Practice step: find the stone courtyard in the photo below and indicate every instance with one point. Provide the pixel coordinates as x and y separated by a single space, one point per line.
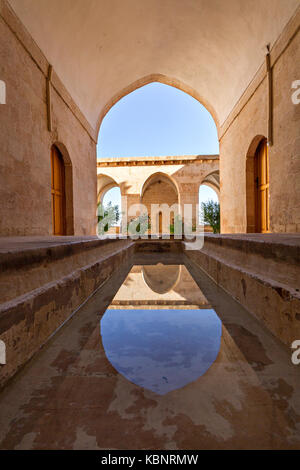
116 342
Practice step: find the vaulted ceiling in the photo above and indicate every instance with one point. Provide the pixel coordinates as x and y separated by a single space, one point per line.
100 47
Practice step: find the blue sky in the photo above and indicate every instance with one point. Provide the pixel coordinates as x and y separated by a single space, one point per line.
157 120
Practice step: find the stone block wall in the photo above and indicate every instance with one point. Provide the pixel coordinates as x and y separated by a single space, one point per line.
248 122
25 142
57 285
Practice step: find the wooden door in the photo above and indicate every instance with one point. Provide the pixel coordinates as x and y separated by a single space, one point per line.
160 222
262 188
58 192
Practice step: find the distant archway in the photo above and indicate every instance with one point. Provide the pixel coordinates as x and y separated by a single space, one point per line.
160 189
213 181
104 184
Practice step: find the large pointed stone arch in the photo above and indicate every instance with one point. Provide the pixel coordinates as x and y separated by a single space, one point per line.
160 78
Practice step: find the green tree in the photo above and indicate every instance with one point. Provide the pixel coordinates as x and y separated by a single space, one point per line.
110 213
210 214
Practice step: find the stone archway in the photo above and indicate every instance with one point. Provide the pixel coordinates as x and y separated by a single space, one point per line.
68 211
104 184
251 210
159 189
160 78
213 181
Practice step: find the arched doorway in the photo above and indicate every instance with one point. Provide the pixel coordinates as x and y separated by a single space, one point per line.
160 190
61 191
257 186
261 178
58 194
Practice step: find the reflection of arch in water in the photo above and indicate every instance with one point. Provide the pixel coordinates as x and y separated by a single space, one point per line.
161 278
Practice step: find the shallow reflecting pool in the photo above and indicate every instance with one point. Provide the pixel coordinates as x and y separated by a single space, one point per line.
166 377
160 346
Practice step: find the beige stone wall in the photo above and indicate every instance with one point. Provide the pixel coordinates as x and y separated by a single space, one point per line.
25 143
241 137
54 289
285 155
105 49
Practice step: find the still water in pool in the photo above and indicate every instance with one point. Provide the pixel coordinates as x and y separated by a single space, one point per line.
161 349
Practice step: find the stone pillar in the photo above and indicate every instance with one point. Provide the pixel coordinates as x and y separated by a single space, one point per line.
128 200
189 194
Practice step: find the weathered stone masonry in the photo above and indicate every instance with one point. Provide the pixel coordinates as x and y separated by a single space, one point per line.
26 142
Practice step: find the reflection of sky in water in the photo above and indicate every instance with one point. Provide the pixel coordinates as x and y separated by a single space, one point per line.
161 350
